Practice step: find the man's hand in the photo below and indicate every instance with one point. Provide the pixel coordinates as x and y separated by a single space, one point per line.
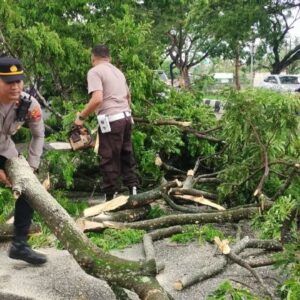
4 178
78 121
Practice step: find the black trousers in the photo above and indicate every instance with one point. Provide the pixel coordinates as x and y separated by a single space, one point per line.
23 212
116 156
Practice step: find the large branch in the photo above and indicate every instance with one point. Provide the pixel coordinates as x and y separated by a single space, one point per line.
265 161
135 276
230 215
184 126
235 258
219 264
124 202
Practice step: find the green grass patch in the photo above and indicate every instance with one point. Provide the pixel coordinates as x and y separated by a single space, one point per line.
7 204
74 209
116 238
46 238
194 232
155 212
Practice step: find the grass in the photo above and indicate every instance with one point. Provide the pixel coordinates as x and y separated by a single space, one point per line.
194 232
7 204
116 239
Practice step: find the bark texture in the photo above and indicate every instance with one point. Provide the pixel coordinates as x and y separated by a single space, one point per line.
230 215
135 276
7 231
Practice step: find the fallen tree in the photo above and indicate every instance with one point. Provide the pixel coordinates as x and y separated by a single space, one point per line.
136 276
120 212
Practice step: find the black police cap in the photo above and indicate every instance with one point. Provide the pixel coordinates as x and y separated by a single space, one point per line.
11 69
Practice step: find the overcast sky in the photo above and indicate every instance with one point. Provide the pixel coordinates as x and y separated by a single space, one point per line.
295 32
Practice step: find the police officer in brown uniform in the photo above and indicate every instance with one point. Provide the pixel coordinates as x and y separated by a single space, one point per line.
16 108
110 100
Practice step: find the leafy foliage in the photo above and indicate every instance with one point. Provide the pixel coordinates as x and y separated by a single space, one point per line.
226 290
257 123
270 223
289 263
53 40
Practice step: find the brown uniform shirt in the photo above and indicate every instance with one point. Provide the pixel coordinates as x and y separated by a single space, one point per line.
9 126
111 81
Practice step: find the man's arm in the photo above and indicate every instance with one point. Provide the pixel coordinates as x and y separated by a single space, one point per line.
37 128
4 179
95 101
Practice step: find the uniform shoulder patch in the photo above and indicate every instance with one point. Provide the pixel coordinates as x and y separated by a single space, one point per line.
36 113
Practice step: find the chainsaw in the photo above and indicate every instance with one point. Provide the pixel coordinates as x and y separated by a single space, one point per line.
80 138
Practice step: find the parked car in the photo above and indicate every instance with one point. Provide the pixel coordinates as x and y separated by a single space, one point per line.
282 83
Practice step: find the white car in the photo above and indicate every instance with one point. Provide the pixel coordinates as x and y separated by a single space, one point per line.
282 83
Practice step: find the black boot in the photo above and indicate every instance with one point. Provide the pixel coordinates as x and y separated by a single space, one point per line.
20 249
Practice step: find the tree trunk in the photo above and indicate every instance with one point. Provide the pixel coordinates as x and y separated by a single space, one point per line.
126 215
186 77
7 231
237 69
135 276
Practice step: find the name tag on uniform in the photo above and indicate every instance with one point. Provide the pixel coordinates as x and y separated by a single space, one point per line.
104 123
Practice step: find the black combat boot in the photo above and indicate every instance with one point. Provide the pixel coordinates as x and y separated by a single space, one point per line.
20 249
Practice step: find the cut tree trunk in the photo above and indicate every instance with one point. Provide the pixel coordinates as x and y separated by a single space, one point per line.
7 231
126 215
156 235
124 202
135 276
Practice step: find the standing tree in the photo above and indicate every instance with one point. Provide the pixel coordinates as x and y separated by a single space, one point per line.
186 45
274 23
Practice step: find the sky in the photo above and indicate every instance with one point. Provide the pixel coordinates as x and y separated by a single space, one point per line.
295 32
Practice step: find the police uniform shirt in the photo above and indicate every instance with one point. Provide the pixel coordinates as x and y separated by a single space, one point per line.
111 81
9 126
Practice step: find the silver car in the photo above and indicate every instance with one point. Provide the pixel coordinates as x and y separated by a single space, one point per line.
282 83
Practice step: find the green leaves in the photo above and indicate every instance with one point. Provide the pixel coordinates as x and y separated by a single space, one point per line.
258 124
226 290
270 223
289 263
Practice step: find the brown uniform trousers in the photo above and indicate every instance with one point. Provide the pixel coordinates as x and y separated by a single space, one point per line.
116 156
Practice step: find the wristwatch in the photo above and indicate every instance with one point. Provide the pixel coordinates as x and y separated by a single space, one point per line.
80 117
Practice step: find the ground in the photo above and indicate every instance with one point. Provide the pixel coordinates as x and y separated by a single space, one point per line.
61 278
